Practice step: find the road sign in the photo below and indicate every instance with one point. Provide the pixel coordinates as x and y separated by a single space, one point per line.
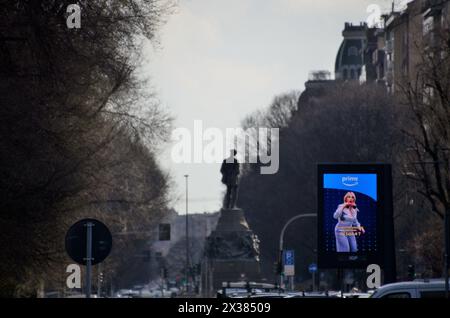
289 263
289 257
312 268
76 241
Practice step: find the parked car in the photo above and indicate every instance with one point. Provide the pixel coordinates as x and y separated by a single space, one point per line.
303 294
125 293
270 295
246 289
155 293
434 288
357 295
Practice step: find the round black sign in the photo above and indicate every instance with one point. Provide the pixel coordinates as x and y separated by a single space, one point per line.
76 241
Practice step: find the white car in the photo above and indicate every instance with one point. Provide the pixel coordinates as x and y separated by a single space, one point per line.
433 288
125 293
155 293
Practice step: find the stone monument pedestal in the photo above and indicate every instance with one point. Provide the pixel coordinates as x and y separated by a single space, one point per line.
231 252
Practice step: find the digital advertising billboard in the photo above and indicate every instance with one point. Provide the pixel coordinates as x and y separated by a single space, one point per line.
355 215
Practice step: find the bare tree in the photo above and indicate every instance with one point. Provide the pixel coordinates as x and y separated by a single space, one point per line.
348 123
426 99
78 131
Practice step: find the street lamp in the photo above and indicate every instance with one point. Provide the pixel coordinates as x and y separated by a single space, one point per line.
282 237
187 236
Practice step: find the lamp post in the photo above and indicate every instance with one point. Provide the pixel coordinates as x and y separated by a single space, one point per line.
187 236
282 237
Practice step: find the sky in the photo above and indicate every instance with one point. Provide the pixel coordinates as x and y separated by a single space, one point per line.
220 60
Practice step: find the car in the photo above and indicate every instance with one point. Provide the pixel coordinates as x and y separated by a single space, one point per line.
125 293
433 288
244 289
270 295
80 295
357 295
303 294
156 293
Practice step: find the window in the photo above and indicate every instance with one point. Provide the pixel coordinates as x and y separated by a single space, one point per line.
398 295
432 294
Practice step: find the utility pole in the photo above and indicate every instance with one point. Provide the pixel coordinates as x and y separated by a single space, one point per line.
187 236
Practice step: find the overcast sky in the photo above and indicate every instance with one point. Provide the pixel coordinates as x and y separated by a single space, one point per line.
220 60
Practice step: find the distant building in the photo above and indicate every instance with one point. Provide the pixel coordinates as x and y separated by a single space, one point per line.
353 62
171 254
350 56
405 35
389 54
318 82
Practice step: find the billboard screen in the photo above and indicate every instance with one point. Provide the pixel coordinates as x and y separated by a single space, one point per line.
352 211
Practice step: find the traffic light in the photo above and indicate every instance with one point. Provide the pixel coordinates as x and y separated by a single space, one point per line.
100 277
411 272
165 275
277 268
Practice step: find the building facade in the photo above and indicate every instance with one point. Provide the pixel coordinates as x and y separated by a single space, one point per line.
404 38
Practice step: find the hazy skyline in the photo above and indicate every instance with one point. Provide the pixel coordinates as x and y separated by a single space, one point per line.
219 61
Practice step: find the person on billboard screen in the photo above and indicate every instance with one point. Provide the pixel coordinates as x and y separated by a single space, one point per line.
348 226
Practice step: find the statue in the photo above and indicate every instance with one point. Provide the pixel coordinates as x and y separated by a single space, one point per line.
232 249
230 176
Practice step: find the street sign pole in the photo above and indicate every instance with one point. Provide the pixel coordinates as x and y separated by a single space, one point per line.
280 247
88 258
88 242
312 268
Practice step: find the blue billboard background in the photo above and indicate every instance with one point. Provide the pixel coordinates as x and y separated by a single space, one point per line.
335 186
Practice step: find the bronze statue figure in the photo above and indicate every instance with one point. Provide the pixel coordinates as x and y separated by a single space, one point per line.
230 177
